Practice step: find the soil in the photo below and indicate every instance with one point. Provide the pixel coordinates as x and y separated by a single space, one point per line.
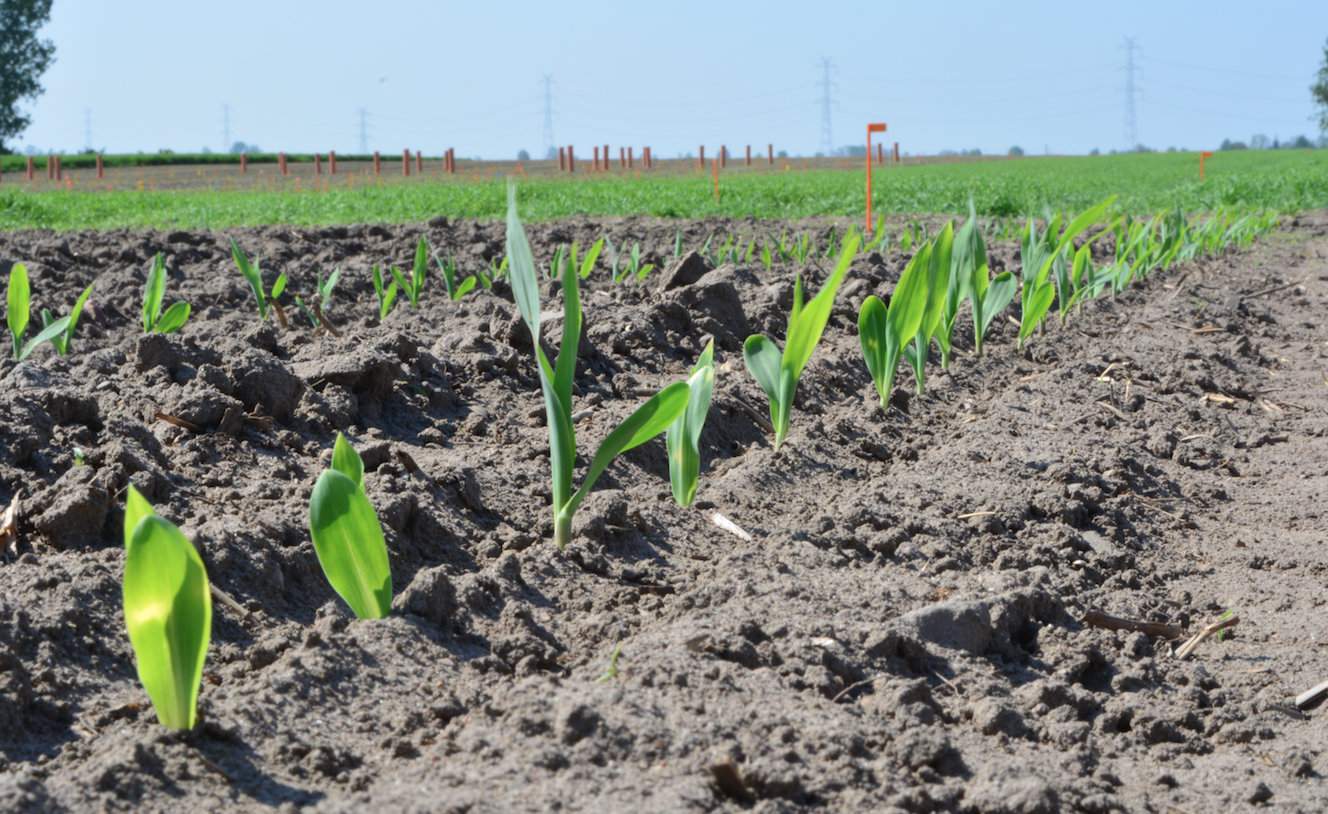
901 628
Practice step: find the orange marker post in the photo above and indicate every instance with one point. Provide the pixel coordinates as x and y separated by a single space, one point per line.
1206 154
700 162
749 155
318 164
405 163
880 153
419 163
770 154
378 163
281 159
332 161
244 163
562 159
878 127
571 158
723 157
630 162
896 152
31 171
596 160
101 167
606 158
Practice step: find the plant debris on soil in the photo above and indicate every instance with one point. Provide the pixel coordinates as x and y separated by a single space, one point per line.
887 614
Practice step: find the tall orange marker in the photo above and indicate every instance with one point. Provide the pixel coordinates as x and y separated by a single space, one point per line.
878 127
1204 155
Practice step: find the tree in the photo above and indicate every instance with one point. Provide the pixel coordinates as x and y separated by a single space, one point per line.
23 59
522 155
1319 90
1016 151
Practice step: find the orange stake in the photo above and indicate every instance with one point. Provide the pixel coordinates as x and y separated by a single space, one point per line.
419 162
30 169
749 155
244 163
101 167
571 158
332 162
562 159
878 127
378 163
770 154
1202 156
700 162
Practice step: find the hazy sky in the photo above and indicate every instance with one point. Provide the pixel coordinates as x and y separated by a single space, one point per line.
155 74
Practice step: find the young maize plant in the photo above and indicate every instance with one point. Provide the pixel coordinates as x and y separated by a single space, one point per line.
18 311
878 240
449 272
414 285
883 331
323 288
347 536
635 269
684 435
1039 253
939 283
587 264
254 276
167 611
677 243
767 259
387 297
987 296
778 373
64 339
648 421
154 321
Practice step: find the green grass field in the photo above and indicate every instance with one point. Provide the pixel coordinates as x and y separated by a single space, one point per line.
1284 180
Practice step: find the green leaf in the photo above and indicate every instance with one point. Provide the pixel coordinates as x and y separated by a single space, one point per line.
762 357
465 288
168 613
562 435
251 275
873 332
350 545
174 318
649 420
684 434
592 256
1035 309
45 335
153 293
908 302
137 507
999 296
403 285
74 315
278 287
808 322
525 287
565 369
420 270
347 461
18 305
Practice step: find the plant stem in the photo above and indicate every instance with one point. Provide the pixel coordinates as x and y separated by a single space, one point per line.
562 530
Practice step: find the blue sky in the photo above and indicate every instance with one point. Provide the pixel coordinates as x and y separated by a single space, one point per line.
1045 75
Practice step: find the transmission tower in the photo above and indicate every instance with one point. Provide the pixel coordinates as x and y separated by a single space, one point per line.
1131 94
827 102
548 114
225 128
364 131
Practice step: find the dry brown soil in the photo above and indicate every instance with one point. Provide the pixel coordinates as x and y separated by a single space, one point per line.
902 631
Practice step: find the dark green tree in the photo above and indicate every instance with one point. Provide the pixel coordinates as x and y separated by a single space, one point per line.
23 59
1320 91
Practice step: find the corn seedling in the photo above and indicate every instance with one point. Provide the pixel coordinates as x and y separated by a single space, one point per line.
635 269
448 270
63 340
167 611
324 289
988 295
348 537
649 420
588 262
18 312
154 321
884 331
1038 253
387 296
767 258
878 237
253 274
778 373
413 286
938 285
684 435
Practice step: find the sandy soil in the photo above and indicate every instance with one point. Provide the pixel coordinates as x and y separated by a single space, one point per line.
903 631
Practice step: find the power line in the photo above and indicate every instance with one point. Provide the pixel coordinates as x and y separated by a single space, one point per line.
548 114
827 102
364 131
1131 93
